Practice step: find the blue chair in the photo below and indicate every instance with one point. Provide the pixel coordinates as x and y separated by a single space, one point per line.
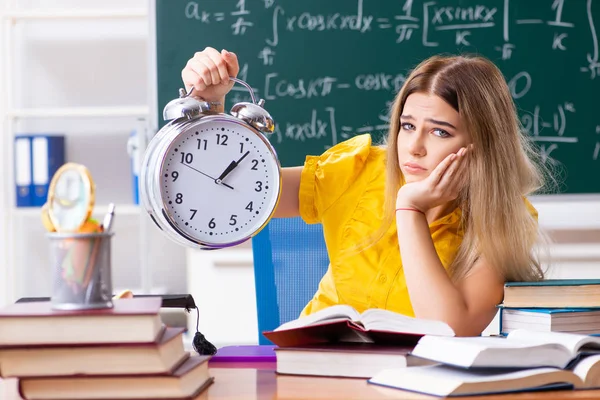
290 258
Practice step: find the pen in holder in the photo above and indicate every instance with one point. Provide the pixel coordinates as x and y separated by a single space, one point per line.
81 268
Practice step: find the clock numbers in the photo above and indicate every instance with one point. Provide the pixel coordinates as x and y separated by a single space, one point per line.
227 185
187 158
222 139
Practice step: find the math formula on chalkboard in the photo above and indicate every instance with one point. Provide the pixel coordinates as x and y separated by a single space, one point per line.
330 70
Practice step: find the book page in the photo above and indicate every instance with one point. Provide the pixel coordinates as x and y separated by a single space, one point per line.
588 369
385 320
337 312
441 380
490 352
573 342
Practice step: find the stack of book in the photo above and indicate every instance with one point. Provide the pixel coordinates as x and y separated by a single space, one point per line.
120 353
339 341
523 361
566 305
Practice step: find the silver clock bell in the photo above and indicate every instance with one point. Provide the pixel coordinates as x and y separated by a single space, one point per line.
253 113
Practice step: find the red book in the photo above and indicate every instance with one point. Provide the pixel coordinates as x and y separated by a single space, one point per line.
186 382
162 356
134 320
342 323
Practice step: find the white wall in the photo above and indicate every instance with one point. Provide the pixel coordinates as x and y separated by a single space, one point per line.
81 63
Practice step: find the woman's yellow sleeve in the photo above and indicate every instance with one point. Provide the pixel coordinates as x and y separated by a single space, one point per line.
326 177
532 210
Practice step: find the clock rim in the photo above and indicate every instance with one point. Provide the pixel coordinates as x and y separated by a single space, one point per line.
163 149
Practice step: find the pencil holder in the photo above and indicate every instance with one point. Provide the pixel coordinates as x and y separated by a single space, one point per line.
81 265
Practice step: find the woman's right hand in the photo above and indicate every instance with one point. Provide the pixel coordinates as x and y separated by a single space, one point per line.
208 72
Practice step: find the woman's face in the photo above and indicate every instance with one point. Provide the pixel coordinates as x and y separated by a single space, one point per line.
430 130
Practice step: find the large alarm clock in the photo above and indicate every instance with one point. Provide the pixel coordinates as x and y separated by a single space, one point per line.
211 180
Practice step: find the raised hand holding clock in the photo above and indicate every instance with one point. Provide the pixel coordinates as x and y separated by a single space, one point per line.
197 212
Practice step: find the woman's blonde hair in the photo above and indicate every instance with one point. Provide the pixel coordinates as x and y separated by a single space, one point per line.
503 166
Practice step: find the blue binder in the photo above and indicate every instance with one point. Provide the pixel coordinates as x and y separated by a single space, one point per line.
23 171
135 149
47 155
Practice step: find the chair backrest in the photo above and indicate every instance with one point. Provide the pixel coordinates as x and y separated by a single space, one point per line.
290 258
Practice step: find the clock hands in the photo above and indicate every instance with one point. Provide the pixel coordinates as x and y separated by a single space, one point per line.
197 170
219 181
232 165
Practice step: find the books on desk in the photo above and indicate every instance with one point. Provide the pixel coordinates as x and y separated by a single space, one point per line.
162 356
346 360
339 341
523 361
557 305
186 382
585 321
35 323
542 349
93 354
343 324
445 381
553 293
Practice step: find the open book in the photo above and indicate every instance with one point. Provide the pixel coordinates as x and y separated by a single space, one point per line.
542 349
342 323
450 381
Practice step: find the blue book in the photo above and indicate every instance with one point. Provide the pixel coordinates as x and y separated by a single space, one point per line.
47 155
585 321
22 171
553 293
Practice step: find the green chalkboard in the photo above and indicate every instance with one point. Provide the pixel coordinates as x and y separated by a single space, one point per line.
329 69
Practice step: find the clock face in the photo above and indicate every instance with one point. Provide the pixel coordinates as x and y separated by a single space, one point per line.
219 181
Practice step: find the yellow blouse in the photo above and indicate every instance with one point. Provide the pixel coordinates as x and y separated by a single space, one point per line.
343 189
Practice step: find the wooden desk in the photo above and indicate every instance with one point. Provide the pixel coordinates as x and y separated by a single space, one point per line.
235 381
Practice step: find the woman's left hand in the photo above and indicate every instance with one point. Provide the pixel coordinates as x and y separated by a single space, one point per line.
441 186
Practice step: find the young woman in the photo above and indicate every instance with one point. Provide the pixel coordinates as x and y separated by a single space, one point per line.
435 221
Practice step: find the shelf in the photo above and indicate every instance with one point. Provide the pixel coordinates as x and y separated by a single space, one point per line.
74 14
120 209
86 112
99 210
22 224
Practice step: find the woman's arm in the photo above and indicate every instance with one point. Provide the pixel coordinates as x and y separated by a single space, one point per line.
290 185
208 71
467 306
